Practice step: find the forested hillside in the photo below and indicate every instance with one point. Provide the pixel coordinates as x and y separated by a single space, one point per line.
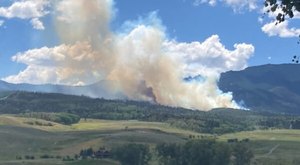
216 121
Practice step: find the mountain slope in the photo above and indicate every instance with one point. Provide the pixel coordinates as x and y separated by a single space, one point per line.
273 88
97 90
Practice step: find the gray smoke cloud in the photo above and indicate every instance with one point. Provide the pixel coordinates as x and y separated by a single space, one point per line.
140 63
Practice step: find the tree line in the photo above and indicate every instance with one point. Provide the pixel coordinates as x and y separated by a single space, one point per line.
62 117
193 152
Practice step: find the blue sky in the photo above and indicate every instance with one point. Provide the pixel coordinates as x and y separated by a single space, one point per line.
187 22
184 22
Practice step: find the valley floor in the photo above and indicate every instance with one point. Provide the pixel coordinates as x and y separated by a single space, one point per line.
18 138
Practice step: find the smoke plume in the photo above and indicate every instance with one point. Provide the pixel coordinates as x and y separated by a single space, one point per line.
140 63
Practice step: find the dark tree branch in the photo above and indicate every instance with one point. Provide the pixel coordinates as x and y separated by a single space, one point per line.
286 8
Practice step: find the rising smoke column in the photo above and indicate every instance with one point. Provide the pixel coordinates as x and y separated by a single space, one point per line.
140 63
87 23
147 71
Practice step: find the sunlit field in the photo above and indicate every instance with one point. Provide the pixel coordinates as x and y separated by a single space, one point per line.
19 138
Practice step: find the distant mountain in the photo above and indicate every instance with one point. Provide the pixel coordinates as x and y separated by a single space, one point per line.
99 90
274 88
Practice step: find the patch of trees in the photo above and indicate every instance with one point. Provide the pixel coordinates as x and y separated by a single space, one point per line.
275 122
193 152
93 154
128 154
66 118
38 123
62 118
208 152
46 156
132 154
68 158
295 124
31 157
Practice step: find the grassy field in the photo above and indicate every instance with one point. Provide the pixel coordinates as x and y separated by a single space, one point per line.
24 122
18 138
21 141
94 125
268 135
274 147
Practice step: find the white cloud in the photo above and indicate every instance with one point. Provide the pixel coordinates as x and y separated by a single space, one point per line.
37 24
281 30
26 9
211 57
58 65
236 5
210 2
296 15
260 20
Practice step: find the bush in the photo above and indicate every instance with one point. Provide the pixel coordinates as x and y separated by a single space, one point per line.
66 118
62 118
132 154
46 156
29 157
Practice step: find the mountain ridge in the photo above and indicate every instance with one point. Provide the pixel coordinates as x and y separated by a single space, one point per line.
96 90
271 87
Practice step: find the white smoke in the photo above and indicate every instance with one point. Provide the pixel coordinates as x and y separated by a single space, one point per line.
141 63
